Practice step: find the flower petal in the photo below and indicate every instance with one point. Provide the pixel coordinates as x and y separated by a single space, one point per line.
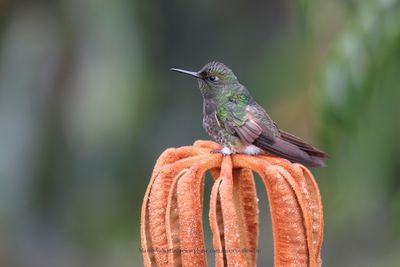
244 190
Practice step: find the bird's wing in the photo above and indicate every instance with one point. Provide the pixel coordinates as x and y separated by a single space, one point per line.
239 119
253 126
290 147
309 149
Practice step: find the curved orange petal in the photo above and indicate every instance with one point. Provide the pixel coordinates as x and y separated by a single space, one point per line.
190 218
244 189
172 223
224 220
167 157
216 224
171 220
155 204
316 212
290 242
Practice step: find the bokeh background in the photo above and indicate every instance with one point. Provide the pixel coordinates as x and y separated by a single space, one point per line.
87 104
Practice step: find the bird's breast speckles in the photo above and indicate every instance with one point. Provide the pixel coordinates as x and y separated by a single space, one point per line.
220 135
211 126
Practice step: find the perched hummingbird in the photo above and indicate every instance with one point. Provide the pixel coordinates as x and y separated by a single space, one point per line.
237 122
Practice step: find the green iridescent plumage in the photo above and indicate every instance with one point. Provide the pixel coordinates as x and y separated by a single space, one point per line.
236 121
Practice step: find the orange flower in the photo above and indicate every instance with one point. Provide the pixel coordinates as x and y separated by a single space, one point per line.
171 221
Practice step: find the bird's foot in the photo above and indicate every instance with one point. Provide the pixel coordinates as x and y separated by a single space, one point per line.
225 150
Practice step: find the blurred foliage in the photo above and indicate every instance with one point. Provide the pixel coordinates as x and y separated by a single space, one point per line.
361 129
87 104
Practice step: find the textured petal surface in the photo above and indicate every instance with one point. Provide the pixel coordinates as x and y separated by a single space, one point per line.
171 220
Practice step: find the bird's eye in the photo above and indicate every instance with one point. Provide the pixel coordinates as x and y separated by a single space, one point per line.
213 78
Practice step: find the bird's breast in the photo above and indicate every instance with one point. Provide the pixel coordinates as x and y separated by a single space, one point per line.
209 107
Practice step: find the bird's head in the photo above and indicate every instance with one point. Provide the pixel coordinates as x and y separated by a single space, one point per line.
213 78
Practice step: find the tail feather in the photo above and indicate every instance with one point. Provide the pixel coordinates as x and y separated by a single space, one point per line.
300 154
302 145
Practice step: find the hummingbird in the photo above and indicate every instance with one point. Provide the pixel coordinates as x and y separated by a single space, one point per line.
239 124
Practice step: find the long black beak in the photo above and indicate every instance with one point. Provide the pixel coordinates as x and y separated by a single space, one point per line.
191 73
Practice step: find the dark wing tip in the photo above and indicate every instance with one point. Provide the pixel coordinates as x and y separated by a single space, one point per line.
309 149
288 151
317 162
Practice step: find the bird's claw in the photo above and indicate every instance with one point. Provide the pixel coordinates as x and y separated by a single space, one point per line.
225 151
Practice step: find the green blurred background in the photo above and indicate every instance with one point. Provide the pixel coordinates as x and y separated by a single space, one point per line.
87 104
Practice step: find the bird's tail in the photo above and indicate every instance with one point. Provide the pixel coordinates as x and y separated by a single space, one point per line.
293 149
